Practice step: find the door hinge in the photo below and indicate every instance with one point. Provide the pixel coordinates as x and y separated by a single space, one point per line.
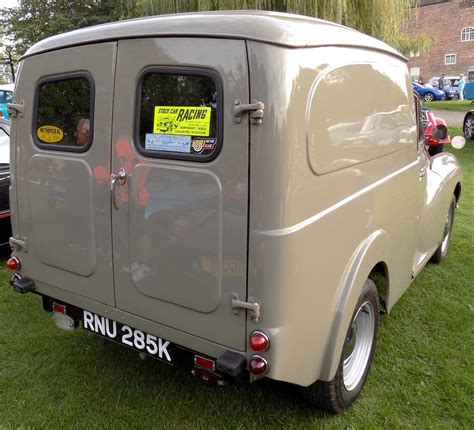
18 243
251 306
256 110
14 109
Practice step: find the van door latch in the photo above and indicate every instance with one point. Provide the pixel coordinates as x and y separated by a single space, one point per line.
256 110
18 243
14 109
251 306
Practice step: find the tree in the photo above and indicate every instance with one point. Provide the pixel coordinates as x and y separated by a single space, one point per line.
34 20
382 19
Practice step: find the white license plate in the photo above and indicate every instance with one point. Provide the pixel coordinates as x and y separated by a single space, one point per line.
128 336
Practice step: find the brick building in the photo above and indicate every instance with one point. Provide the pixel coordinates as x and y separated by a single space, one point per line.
451 22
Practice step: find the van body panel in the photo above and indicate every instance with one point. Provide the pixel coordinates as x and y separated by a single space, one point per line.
181 253
292 210
53 206
63 209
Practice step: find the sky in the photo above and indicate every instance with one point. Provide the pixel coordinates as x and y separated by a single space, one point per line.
8 3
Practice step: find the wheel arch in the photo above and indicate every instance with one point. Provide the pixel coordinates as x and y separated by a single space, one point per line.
368 261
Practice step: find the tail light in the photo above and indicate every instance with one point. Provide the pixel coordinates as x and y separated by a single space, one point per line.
259 341
13 263
258 366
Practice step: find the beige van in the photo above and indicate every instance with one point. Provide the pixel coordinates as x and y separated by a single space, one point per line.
239 193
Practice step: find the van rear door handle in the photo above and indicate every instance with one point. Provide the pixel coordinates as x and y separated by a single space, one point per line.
121 178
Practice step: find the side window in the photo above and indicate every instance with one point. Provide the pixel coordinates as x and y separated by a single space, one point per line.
8 96
179 115
368 125
64 113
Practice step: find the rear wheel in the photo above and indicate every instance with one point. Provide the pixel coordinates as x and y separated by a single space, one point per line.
442 250
469 126
428 97
338 394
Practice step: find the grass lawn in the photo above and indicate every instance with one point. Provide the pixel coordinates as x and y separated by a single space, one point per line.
464 106
422 375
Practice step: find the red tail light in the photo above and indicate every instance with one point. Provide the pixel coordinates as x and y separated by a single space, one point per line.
13 263
258 366
259 341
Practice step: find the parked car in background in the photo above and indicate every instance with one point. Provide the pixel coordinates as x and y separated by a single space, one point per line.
5 227
428 94
468 125
430 123
451 88
6 94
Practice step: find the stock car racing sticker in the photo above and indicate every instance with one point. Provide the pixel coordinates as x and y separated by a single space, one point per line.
169 143
184 120
199 144
50 134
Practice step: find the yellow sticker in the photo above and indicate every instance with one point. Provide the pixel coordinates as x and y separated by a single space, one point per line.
50 134
184 120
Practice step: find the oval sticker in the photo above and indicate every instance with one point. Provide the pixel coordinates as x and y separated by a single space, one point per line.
50 134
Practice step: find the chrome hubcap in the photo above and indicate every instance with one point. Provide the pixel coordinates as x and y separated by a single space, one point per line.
358 345
469 132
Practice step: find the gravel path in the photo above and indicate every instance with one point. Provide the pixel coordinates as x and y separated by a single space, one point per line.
452 117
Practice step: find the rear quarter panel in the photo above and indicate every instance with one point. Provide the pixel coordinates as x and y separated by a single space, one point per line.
307 231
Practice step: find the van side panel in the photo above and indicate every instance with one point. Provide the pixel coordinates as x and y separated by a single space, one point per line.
305 229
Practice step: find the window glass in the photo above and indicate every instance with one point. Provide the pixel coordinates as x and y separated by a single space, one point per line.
450 59
63 116
467 34
5 96
178 116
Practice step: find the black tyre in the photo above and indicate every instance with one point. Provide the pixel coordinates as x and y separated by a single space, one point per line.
468 127
433 150
428 97
442 250
338 394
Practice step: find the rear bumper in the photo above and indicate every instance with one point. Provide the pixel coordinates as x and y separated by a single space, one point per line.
187 344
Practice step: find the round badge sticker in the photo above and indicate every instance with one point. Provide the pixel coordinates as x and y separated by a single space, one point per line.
50 134
198 145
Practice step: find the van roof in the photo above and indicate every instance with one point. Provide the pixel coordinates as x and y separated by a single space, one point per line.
289 30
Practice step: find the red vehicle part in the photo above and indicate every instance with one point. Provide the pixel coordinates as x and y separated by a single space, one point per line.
431 122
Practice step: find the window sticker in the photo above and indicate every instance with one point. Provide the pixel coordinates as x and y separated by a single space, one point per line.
183 120
50 134
169 143
200 144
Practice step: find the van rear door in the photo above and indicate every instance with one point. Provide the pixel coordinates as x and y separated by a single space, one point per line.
179 220
62 150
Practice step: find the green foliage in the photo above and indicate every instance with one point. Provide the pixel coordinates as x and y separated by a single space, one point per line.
34 20
382 19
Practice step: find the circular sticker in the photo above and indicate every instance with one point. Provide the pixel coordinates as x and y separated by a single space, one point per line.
198 145
50 134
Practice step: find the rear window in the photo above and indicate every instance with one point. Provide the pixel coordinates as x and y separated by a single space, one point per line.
179 115
63 118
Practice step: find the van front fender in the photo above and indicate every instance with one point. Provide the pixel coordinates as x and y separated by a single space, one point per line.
372 250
